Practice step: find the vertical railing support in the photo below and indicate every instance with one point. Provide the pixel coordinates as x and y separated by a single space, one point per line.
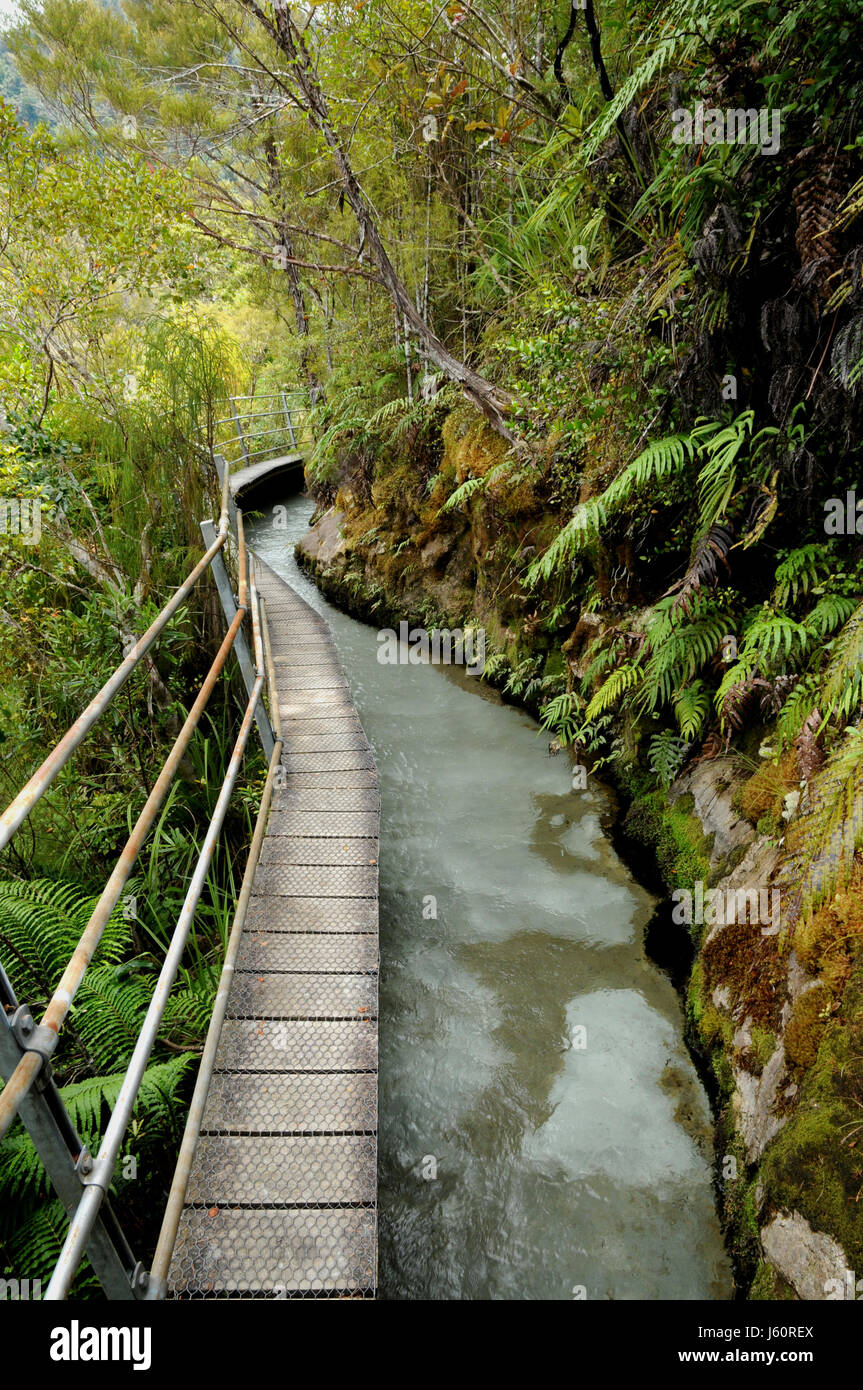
241 646
290 422
223 467
65 1159
240 435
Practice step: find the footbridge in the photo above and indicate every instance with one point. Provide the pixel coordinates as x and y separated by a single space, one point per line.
275 1189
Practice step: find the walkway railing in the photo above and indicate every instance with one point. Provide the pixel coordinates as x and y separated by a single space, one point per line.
81 1180
259 427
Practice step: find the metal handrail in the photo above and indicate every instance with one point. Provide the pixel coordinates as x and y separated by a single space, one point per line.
99 1180
250 415
157 1285
242 437
38 1043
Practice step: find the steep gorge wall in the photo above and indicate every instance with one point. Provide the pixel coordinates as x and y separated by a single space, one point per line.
777 1022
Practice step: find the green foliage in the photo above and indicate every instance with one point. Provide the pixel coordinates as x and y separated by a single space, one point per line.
822 840
561 717
665 755
33 1223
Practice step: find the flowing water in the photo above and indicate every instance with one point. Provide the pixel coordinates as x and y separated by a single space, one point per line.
543 1133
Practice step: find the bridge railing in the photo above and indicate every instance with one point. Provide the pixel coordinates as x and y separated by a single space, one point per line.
81 1180
249 429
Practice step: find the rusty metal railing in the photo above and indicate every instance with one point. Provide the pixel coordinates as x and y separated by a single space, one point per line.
26 1048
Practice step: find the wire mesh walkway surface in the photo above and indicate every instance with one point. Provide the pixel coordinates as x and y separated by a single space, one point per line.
281 1200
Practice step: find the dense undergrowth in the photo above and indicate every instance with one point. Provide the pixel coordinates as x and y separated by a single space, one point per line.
668 567
652 514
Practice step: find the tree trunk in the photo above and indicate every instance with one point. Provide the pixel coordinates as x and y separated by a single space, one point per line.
301 317
488 398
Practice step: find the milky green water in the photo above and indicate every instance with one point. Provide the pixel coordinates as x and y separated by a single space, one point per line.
531 1056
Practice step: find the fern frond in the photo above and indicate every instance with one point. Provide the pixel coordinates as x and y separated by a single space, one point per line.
691 706
580 531
41 922
795 709
560 716
462 494
619 682
798 572
842 688
665 755
831 611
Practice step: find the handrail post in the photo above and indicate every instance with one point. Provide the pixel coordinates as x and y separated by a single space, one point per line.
241 646
290 421
233 400
65 1158
223 468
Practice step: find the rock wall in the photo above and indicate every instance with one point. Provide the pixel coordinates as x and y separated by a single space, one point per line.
776 1018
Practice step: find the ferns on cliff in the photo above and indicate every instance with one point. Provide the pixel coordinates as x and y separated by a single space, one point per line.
716 444
665 755
842 682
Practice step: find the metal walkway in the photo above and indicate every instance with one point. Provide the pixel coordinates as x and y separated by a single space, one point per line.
281 1200
255 473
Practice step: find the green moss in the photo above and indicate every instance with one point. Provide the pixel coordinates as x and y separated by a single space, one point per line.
770 824
555 665
681 847
814 1165
763 1046
806 1028
768 1286
721 1067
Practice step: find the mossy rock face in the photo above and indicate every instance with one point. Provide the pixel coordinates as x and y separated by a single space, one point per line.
740 958
555 666
764 793
827 941
806 1026
726 866
768 1286
763 1047
682 849
815 1164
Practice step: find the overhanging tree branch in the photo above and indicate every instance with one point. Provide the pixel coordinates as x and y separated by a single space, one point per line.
289 40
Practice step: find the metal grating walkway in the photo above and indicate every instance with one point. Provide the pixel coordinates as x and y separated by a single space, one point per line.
283 1191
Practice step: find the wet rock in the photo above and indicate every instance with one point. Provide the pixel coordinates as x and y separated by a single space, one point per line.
711 784
325 542
435 554
754 1104
806 1259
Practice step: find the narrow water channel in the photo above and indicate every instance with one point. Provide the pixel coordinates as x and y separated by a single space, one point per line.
543 1133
